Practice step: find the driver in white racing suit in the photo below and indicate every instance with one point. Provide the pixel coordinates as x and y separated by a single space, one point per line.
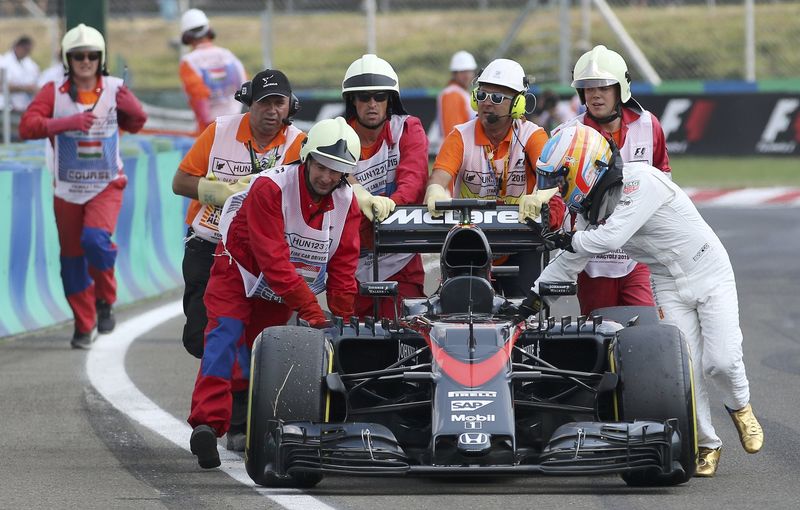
636 207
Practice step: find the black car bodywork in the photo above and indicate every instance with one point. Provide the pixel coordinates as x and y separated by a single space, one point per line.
462 385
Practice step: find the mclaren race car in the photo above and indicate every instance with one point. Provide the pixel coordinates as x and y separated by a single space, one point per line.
463 385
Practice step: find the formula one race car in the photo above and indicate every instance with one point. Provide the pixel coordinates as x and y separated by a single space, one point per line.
462 385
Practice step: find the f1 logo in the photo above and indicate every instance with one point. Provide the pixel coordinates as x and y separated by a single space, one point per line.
776 137
780 119
672 118
684 121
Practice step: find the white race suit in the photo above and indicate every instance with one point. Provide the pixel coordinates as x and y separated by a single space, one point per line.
656 223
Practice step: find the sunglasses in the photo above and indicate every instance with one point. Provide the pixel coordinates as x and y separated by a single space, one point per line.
496 97
379 97
80 57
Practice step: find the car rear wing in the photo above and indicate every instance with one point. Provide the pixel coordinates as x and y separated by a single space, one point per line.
411 229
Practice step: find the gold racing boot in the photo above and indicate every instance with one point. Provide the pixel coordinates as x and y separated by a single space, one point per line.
750 433
708 462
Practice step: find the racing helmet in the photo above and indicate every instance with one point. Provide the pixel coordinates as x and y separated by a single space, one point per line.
86 38
600 67
462 61
371 73
574 159
334 144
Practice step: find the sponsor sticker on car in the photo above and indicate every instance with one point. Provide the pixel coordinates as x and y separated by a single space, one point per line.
468 405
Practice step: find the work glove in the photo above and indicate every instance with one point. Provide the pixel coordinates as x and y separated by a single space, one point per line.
211 190
78 122
304 302
127 102
372 206
559 239
435 193
530 206
326 324
531 305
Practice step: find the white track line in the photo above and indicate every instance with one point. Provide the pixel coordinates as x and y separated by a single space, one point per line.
105 366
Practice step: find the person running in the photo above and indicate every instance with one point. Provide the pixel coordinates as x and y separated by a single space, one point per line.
82 115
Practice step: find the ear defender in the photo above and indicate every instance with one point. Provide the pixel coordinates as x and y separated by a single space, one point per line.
245 94
518 108
294 105
473 100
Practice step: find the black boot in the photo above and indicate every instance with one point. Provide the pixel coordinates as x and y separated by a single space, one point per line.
105 317
83 340
204 444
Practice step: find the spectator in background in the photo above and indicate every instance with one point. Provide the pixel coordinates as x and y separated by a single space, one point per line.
293 235
491 157
452 103
210 74
391 170
22 73
210 173
602 81
553 112
82 117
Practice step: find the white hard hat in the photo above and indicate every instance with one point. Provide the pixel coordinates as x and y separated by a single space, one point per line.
370 72
601 67
83 37
194 19
334 144
463 61
506 73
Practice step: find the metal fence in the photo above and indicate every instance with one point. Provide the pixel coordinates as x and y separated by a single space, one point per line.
315 40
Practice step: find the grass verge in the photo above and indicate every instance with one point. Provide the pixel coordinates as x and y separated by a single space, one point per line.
735 172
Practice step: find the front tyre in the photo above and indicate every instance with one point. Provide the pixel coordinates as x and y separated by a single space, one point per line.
287 372
655 383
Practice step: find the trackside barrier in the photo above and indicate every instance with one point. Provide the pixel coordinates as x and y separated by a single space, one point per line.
149 234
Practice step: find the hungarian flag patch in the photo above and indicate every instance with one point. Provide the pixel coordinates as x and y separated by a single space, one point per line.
90 149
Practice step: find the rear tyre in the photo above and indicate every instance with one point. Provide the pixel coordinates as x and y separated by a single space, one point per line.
286 382
648 315
655 383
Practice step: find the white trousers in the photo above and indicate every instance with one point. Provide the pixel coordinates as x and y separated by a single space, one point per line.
710 324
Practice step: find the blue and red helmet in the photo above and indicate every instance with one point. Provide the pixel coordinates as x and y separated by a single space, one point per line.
574 160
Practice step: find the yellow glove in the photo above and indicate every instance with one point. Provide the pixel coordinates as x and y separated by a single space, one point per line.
211 190
435 193
530 206
242 184
372 206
